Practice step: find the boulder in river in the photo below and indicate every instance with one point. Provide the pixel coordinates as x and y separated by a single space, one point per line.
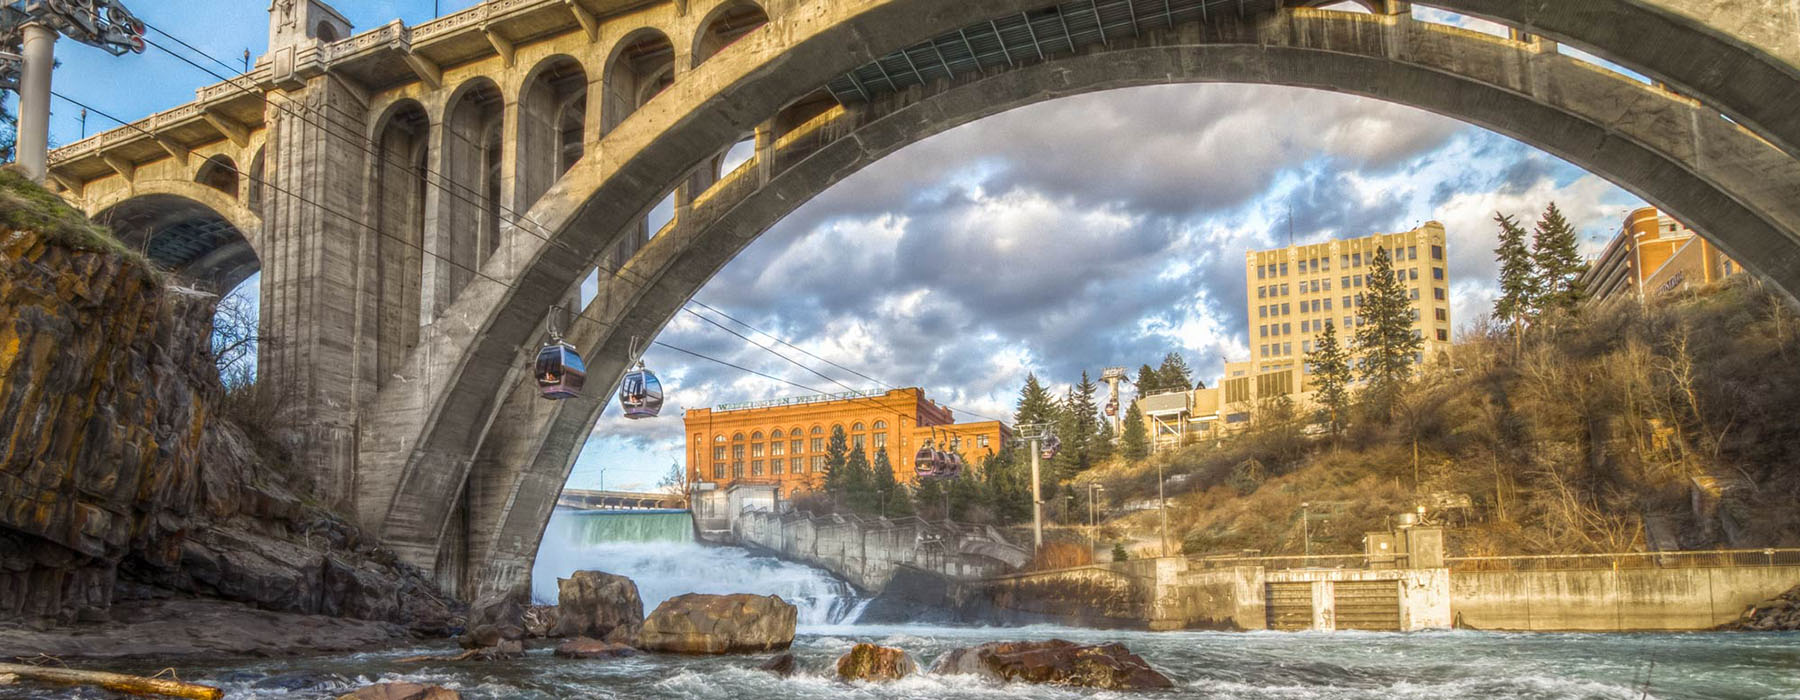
598 605
699 623
782 665
586 648
497 623
1059 662
402 691
1780 613
870 662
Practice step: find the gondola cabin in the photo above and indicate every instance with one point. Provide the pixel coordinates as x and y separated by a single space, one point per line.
640 393
560 371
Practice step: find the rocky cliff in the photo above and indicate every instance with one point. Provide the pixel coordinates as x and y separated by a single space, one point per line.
119 478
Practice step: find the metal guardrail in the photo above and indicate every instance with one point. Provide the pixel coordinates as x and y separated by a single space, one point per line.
1303 561
1687 559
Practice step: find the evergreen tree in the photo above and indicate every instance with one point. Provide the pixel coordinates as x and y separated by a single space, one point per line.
1087 435
1119 553
1331 376
928 499
1035 403
1135 442
837 453
1174 374
1385 337
893 496
1517 286
859 483
1559 265
1148 382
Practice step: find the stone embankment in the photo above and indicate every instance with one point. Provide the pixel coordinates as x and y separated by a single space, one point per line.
1778 614
123 490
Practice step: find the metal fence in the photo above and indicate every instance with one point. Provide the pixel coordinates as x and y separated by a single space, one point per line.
1303 561
1692 559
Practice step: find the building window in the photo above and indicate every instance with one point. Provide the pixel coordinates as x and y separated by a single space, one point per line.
737 469
880 425
1262 312
737 437
737 452
1356 261
880 439
756 450
818 444
1285 308
1284 272
1417 333
719 438
756 435
756 467
1437 273
1442 314
1411 274
1412 252
857 426
1437 293
1262 331
1306 326
719 452
777 448
1259 272
797 446
1437 252
1287 348
718 470
1415 293
1287 329
1305 346
775 467
1261 291
1284 289
981 440
1443 334
1413 314
818 463
856 442
1327 304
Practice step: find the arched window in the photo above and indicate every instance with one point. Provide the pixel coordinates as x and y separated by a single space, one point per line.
881 425
325 32
756 435
818 430
737 436
776 434
719 438
220 173
856 427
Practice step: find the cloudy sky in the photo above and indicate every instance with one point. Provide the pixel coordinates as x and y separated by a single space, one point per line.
1091 231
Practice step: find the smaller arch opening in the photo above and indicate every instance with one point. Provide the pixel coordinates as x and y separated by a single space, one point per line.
325 32
641 68
727 26
220 173
256 185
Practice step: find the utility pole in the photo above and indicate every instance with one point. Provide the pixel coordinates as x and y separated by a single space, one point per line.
1034 435
1093 487
1162 505
1306 526
1112 376
28 32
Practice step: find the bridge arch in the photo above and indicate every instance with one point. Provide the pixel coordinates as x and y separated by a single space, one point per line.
397 199
724 25
1489 83
553 119
200 233
638 68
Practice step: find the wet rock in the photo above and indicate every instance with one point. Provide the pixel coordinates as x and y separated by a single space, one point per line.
1058 662
1781 613
698 623
782 665
298 680
869 662
541 621
402 691
599 605
496 619
585 648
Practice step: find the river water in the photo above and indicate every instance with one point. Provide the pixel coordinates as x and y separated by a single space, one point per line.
1262 665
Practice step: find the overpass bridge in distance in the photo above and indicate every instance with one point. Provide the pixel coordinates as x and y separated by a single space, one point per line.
620 500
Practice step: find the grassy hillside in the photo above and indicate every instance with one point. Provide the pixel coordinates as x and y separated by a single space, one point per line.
1624 427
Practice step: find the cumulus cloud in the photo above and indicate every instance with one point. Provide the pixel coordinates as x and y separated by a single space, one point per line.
1086 232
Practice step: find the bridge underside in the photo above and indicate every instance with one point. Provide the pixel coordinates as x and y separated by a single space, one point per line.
185 237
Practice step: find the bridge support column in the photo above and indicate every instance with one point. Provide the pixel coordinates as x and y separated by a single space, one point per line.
318 358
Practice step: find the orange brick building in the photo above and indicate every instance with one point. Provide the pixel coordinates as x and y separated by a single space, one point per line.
783 441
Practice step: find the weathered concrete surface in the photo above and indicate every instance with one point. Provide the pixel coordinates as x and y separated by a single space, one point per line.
866 551
1613 600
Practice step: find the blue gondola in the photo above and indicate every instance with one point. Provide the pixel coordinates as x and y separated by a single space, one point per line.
640 393
560 371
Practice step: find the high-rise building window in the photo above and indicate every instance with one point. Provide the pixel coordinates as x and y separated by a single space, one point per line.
1284 308
1437 293
1327 304
1412 252
1415 293
1287 329
1437 252
1305 346
1284 271
1443 334
1442 314
1262 331
1356 260
1259 272
1261 291
1287 348
1437 273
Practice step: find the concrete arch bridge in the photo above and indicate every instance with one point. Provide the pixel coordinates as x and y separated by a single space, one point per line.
418 197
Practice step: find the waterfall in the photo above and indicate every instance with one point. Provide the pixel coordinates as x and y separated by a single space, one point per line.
657 551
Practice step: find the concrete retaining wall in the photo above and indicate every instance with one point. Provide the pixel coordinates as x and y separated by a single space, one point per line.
1613 600
866 551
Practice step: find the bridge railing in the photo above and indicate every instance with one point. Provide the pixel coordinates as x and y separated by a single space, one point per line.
1301 561
1688 559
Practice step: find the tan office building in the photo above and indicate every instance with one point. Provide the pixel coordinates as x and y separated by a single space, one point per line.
1291 294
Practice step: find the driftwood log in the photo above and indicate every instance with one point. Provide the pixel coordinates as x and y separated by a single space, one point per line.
128 684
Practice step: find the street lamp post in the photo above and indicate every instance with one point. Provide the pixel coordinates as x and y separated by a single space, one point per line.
1093 487
1306 527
